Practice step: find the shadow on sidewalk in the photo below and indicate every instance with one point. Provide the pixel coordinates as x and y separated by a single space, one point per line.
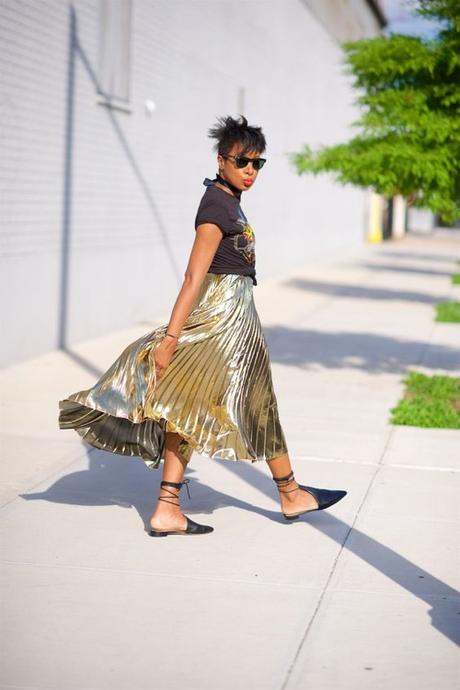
378 354
358 292
123 481
447 258
300 347
398 268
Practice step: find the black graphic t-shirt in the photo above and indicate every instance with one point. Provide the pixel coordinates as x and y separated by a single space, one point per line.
236 251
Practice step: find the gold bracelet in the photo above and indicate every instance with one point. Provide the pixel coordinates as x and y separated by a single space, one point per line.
172 336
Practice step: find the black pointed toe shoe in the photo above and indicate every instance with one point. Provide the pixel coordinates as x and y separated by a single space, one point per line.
192 526
324 497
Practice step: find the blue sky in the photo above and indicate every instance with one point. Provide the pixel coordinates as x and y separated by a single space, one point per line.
402 19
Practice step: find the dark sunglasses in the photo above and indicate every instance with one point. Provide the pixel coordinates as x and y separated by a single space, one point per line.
242 161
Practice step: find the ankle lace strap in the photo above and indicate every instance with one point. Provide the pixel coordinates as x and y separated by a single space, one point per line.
284 481
176 485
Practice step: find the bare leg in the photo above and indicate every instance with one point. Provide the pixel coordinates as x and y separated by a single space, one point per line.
296 499
168 514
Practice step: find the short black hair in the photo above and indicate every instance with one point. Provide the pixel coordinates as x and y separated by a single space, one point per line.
229 131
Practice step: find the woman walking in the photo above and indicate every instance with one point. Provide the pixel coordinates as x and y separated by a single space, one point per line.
202 382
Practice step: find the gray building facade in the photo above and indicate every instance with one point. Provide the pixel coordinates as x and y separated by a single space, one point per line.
105 107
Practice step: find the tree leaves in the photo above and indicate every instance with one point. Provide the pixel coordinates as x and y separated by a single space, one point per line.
409 95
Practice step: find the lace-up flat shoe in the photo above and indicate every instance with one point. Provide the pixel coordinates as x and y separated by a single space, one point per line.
325 498
192 526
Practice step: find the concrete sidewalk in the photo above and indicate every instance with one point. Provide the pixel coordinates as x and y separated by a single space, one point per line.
363 595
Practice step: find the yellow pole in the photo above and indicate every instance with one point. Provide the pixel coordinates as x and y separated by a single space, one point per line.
375 232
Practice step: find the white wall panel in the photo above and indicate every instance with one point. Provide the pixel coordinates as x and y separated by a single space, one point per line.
97 205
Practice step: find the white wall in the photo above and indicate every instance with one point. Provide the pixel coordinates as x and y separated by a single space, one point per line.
98 205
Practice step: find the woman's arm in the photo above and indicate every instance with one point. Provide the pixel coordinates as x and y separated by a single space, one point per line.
207 239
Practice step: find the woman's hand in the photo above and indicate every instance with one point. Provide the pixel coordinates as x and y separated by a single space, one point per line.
163 354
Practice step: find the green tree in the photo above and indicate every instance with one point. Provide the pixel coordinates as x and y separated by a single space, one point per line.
409 139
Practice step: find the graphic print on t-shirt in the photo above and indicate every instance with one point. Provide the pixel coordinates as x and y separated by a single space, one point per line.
236 251
244 242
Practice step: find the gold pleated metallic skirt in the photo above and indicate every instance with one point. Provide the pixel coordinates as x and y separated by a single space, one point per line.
217 391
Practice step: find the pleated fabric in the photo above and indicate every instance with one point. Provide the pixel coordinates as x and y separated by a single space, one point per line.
217 391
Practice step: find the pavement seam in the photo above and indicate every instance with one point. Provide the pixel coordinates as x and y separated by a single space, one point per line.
398 465
218 579
341 549
150 573
380 464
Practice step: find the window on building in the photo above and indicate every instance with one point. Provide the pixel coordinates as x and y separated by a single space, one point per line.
115 53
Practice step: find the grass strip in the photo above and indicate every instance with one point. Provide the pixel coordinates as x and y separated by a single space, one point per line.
448 312
429 401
